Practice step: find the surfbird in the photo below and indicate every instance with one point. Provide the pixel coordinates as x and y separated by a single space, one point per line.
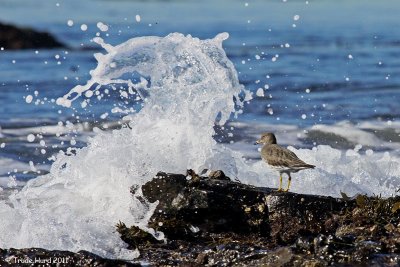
281 159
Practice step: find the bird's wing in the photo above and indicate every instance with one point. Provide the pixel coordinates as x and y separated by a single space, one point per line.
284 157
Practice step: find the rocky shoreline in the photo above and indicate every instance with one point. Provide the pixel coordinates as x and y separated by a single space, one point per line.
42 257
214 221
14 38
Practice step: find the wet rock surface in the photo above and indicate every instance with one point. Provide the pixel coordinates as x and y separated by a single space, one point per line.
213 221
12 37
42 257
214 205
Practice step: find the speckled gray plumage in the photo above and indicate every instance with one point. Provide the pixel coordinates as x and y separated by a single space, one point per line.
282 158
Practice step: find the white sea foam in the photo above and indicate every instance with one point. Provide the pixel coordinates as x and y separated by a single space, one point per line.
344 134
337 171
6 166
186 85
352 171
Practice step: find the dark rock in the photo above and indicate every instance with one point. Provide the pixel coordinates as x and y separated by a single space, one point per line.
291 215
43 257
209 205
219 175
12 37
135 236
213 221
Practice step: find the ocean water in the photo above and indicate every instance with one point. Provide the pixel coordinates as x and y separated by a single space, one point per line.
194 88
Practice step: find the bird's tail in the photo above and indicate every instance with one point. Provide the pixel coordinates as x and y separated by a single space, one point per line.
305 166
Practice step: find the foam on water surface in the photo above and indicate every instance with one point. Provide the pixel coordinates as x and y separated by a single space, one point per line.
185 85
337 171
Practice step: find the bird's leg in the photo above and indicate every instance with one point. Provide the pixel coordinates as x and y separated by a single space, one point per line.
280 183
288 185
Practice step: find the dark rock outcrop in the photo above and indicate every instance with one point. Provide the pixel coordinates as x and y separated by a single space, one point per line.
211 205
213 221
43 257
12 37
217 222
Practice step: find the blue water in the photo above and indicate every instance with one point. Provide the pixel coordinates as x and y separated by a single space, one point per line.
345 52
